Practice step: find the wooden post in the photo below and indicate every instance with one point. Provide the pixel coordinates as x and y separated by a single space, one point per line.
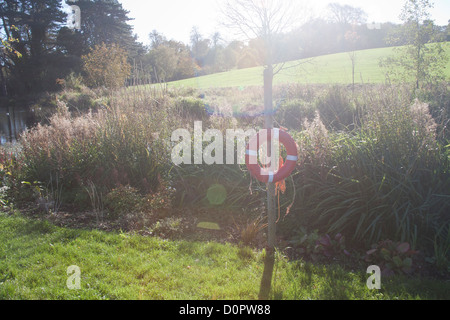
266 281
268 114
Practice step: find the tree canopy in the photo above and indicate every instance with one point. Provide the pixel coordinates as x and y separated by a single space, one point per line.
48 49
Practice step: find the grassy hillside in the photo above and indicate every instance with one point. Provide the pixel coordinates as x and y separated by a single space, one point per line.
330 69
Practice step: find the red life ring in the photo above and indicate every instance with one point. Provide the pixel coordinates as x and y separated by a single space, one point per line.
263 174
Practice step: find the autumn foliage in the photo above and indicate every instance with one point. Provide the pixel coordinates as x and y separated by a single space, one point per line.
106 65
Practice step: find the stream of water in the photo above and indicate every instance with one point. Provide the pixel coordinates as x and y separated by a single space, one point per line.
13 121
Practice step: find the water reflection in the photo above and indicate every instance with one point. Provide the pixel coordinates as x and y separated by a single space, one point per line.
13 121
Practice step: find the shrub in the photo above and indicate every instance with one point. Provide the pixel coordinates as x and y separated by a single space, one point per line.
385 179
73 82
336 109
81 100
128 151
332 246
392 257
304 242
10 166
314 142
249 232
61 149
192 183
314 246
122 200
160 202
44 107
438 98
441 248
293 113
167 227
191 108
106 65
108 149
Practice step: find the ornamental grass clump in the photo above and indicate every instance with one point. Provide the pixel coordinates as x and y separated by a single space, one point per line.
111 148
386 179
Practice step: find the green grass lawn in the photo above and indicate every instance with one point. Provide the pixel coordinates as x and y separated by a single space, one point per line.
35 255
327 69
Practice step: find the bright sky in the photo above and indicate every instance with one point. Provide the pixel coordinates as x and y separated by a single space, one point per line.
175 18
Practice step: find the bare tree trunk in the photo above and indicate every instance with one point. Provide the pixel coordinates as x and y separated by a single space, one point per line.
4 89
353 71
10 124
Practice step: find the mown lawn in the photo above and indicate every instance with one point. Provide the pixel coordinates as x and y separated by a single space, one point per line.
326 69
35 255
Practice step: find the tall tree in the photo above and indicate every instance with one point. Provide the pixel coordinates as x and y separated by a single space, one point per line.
156 39
232 53
199 46
34 24
447 31
346 14
216 38
6 50
163 60
105 22
419 60
344 18
168 60
352 38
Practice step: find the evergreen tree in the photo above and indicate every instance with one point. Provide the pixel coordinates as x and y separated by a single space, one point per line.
34 24
104 22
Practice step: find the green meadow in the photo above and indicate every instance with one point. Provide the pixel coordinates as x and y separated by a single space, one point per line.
327 69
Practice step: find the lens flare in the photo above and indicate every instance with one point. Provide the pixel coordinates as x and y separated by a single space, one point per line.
216 194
